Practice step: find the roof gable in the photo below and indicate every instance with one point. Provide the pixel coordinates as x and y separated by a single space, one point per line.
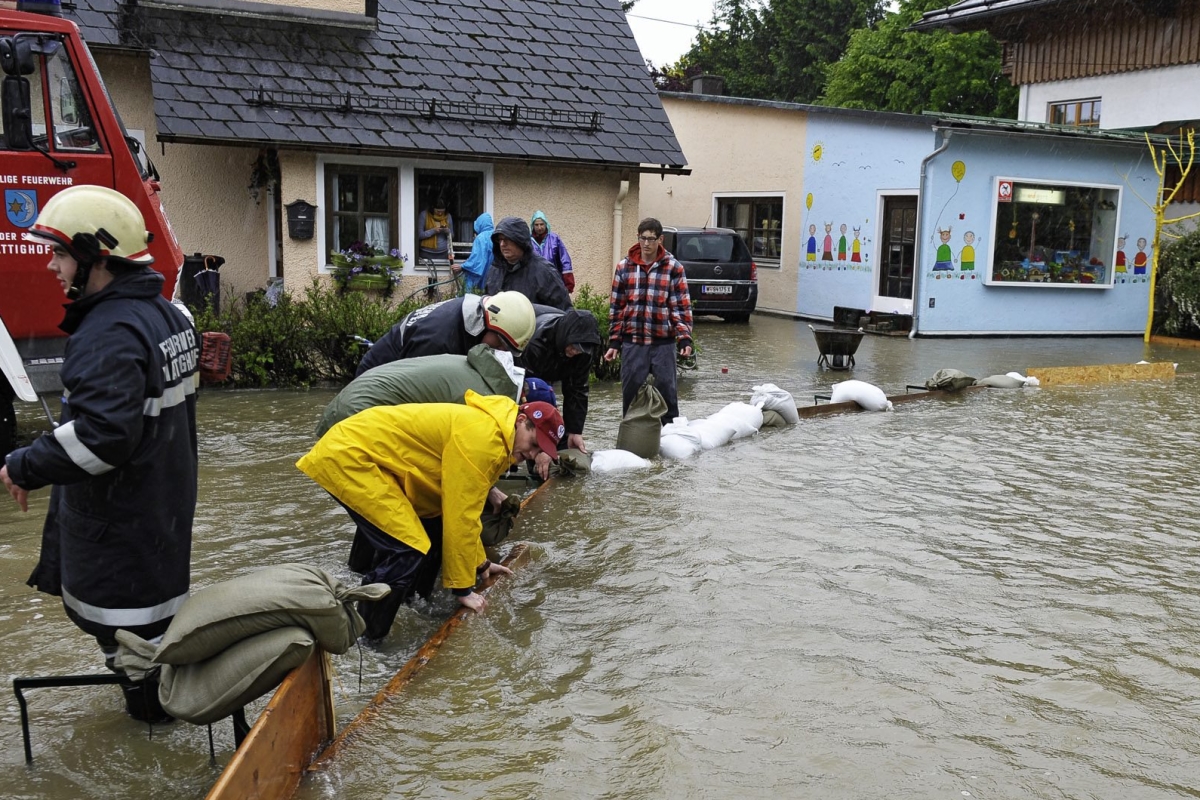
558 80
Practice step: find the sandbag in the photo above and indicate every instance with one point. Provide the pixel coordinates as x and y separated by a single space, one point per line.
679 440
1001 382
949 380
497 526
1030 381
615 460
746 418
774 419
220 615
571 461
714 431
641 426
866 395
771 398
213 689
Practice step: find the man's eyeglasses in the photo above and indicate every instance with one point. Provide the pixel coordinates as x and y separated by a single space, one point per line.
648 239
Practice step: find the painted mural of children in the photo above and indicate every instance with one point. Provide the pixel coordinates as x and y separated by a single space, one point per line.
812 244
944 256
842 244
1139 261
966 258
827 252
856 248
1120 269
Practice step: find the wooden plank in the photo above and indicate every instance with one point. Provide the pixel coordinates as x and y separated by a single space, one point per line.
1173 341
828 409
297 721
1102 373
358 726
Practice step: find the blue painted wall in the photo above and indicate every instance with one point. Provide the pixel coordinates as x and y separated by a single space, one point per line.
847 161
962 303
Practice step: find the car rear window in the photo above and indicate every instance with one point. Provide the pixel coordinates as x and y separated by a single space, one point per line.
710 247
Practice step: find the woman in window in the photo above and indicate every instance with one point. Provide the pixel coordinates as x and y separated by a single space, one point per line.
433 232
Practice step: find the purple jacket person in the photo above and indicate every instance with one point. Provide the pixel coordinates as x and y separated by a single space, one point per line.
550 247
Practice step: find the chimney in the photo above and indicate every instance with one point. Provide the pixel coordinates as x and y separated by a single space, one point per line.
708 84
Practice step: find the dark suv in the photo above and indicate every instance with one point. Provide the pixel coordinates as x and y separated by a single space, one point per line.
721 275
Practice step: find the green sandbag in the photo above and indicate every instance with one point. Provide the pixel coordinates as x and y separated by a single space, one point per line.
497 527
641 427
773 419
224 613
949 380
571 462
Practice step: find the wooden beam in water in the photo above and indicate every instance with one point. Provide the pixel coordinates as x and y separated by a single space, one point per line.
1102 373
850 407
291 730
357 726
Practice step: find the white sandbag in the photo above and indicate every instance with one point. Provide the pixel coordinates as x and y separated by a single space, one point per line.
678 440
772 398
866 395
1028 381
746 418
1001 382
714 431
615 460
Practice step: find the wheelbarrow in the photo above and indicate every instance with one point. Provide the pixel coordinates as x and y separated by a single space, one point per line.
837 346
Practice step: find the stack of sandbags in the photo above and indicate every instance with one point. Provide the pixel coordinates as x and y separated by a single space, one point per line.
866 395
683 439
679 440
778 405
234 641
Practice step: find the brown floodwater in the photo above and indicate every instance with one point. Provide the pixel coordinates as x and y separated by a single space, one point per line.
990 596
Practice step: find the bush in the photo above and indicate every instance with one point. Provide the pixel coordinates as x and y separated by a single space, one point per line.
588 299
1177 295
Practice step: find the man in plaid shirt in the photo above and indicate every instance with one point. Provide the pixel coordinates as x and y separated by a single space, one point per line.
648 313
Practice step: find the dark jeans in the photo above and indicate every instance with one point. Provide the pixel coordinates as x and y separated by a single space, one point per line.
640 360
385 559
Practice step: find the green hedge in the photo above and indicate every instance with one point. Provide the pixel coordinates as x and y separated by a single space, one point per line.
1177 293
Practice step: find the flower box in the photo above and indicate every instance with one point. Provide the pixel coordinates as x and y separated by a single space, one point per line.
365 281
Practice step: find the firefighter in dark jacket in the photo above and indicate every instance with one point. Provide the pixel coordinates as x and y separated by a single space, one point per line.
517 267
116 545
452 327
561 349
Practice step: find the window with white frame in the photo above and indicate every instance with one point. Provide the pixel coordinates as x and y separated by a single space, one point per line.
1076 113
360 206
759 220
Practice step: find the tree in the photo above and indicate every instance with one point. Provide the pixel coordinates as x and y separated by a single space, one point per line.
779 51
890 68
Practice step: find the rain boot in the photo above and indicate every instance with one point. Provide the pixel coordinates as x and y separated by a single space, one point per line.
141 702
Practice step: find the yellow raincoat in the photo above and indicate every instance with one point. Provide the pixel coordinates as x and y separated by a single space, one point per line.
397 464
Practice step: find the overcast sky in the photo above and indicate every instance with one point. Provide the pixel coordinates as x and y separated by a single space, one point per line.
665 29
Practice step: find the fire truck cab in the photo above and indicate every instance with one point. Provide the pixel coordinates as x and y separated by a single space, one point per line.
59 129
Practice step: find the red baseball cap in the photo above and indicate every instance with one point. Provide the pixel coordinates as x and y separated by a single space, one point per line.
549 424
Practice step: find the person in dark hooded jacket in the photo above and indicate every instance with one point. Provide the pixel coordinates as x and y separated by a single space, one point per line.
561 349
517 267
116 544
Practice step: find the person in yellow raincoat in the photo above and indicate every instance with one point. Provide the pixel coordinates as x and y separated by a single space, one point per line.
415 479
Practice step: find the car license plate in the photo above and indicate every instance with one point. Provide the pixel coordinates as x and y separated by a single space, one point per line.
716 289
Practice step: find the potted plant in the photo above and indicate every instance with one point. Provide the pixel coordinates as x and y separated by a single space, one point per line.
362 267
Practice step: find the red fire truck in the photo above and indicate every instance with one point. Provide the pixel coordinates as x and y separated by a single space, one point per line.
59 129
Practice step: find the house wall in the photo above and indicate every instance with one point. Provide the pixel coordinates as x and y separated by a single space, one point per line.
1129 100
204 188
742 149
851 163
962 303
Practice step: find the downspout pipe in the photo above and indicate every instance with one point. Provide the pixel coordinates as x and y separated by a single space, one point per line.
912 334
618 219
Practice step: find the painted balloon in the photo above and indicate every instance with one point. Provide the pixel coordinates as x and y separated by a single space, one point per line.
808 201
958 169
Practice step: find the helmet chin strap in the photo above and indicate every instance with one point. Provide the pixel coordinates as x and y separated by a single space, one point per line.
86 251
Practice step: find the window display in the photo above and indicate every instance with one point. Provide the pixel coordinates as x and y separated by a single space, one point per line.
1053 234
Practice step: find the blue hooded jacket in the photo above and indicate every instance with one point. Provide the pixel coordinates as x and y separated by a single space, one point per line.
476 265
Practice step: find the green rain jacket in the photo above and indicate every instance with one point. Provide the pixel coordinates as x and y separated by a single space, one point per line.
429 379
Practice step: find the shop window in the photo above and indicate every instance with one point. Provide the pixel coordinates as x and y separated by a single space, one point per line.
1049 234
1076 113
759 221
360 206
463 193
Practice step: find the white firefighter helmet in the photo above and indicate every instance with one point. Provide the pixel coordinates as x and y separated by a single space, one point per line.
510 315
94 222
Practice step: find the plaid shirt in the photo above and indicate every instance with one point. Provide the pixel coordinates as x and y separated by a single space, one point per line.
649 302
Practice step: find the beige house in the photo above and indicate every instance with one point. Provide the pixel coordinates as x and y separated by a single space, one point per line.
367 112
